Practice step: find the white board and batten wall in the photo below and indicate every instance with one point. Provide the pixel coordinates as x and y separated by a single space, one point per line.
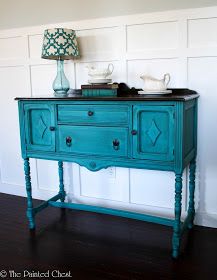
182 43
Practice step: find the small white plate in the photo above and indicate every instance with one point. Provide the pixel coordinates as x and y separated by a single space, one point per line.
99 81
167 91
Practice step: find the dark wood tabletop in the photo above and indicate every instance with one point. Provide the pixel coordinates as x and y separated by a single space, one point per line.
178 94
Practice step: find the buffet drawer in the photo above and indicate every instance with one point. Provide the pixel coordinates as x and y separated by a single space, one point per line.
105 141
93 114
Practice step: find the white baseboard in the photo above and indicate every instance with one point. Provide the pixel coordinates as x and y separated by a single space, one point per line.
206 219
12 189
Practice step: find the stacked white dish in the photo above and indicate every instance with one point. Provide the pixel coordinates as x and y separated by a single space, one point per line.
166 91
99 81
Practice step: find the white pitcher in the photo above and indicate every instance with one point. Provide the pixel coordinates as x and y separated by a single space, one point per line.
97 73
153 84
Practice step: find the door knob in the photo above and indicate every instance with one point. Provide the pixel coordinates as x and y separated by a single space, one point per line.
52 128
90 113
116 144
68 141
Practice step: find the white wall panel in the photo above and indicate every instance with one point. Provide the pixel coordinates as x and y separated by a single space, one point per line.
10 159
202 32
202 77
48 175
99 44
146 188
153 67
105 185
35 45
13 48
42 77
152 36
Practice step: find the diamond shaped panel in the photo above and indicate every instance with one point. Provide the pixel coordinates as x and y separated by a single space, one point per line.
41 127
153 132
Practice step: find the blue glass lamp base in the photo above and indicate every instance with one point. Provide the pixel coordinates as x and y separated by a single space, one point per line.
60 84
61 93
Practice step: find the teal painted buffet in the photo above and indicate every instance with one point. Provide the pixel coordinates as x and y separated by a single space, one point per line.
129 130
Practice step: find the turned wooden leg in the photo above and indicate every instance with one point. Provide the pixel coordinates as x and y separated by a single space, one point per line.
177 222
30 212
191 209
61 184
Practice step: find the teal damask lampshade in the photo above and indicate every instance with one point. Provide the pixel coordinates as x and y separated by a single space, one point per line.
60 44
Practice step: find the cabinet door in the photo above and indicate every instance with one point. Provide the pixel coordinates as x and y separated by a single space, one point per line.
154 139
39 127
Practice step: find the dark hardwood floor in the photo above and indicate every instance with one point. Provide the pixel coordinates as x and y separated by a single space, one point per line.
95 246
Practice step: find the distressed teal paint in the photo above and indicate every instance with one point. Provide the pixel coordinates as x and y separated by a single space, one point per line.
185 224
45 204
177 222
93 141
155 132
40 118
30 211
106 161
191 208
111 115
61 184
96 134
114 212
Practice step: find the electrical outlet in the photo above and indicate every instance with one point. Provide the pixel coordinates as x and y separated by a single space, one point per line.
111 172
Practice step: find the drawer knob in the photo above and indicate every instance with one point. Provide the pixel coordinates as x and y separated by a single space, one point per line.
68 141
133 132
116 144
52 128
90 113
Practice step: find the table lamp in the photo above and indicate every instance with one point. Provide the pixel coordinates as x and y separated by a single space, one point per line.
60 44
